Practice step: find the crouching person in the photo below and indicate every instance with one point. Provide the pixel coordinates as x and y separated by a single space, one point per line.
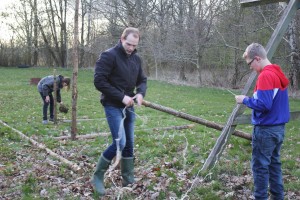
46 87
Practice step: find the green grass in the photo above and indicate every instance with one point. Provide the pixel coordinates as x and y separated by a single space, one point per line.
172 151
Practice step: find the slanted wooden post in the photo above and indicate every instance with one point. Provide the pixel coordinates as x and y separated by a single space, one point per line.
249 3
271 47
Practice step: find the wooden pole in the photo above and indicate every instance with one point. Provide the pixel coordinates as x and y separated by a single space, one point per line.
194 119
94 135
78 137
249 3
75 73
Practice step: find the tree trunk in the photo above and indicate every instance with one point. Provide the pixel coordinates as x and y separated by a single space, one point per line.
35 35
75 73
182 76
52 23
81 49
294 71
63 33
44 35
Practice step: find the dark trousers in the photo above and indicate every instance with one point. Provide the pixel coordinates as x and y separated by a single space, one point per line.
46 105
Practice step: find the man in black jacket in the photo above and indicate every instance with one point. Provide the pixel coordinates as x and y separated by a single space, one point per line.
120 79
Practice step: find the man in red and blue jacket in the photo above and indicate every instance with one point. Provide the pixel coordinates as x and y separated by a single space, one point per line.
270 105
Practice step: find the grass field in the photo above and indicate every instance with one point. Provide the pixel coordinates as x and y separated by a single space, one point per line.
167 164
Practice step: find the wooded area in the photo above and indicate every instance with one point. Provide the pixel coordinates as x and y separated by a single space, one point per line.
187 41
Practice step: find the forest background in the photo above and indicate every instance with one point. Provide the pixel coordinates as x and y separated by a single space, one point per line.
183 41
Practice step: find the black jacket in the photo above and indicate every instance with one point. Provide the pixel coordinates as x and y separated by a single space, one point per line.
117 75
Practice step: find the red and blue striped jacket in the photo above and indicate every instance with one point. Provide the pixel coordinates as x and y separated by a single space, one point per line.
270 102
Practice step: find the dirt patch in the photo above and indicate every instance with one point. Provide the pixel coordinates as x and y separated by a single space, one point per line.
34 81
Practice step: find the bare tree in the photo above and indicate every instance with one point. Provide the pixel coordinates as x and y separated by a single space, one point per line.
23 29
189 32
156 37
294 71
75 73
35 34
124 13
56 13
232 26
84 10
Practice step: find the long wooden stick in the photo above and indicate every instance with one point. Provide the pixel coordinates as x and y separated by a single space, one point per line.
78 137
189 126
94 135
70 164
81 120
194 119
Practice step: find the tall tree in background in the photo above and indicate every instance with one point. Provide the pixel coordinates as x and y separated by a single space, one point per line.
157 37
35 35
191 31
57 14
294 71
124 13
85 8
179 11
23 29
47 16
230 31
75 73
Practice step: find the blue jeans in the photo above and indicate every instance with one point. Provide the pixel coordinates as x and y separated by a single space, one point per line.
114 116
46 105
266 164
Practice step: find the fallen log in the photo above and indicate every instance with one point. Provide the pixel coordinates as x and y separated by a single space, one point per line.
93 135
189 126
82 120
79 137
194 119
70 164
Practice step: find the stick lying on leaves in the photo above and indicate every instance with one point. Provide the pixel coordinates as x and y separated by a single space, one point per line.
94 135
70 164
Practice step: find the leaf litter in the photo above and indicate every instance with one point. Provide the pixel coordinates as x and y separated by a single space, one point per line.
151 181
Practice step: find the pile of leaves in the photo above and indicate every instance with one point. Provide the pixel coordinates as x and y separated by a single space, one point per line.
34 173
63 108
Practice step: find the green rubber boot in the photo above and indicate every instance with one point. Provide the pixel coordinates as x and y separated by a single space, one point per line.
127 171
98 176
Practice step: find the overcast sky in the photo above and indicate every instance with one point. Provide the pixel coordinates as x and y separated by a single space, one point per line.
4 3
4 31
